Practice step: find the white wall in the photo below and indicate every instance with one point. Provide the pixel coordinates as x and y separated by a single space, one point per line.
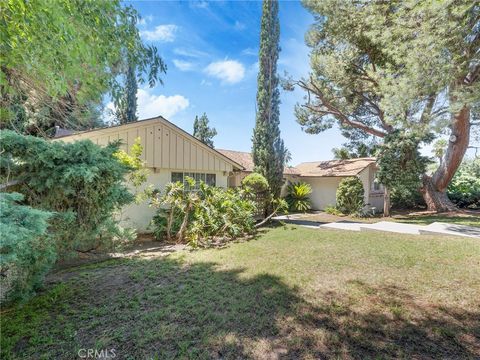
139 216
324 191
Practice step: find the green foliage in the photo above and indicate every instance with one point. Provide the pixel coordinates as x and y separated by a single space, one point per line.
400 164
350 195
332 210
138 172
82 183
402 197
257 189
202 131
27 253
256 182
204 216
464 190
298 196
268 149
378 67
59 58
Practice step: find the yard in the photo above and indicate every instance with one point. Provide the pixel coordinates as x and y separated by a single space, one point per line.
289 293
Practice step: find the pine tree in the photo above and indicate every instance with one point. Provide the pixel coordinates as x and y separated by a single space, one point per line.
268 148
202 131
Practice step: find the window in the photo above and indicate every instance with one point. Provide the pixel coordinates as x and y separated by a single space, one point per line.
209 179
376 186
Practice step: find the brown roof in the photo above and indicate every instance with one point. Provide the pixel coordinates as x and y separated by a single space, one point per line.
333 168
245 159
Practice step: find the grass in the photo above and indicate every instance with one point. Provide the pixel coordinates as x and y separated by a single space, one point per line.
292 293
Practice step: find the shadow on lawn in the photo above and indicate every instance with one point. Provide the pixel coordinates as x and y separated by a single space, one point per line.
164 308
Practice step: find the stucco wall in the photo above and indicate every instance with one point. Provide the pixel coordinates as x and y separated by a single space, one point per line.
139 216
324 191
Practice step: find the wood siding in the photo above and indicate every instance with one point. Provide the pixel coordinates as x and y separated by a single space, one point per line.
164 146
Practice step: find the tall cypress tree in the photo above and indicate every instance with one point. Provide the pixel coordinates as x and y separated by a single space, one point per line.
268 148
127 109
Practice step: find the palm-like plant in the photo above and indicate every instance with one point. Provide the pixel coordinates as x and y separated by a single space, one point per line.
298 196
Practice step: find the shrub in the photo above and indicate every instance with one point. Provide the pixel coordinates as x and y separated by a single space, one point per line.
402 197
298 196
350 195
202 216
81 183
256 189
27 253
332 210
464 189
256 182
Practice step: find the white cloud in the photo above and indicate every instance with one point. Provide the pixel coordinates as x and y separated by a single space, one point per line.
150 105
189 52
183 65
229 71
164 33
239 26
250 51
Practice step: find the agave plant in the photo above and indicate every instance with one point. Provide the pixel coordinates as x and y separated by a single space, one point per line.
298 196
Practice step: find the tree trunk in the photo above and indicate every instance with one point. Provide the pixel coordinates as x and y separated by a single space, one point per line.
386 202
434 188
435 200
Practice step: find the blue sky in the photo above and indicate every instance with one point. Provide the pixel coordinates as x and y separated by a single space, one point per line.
211 52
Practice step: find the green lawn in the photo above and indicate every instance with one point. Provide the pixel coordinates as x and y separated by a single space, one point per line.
290 293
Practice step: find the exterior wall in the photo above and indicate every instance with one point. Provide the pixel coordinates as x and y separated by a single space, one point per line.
139 216
324 191
375 197
166 149
164 146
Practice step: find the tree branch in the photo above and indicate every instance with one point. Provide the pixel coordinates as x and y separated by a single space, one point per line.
332 110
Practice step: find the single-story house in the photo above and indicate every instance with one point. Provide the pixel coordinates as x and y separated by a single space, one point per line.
170 154
323 176
246 160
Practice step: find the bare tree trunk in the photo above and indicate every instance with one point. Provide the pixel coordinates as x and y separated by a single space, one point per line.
434 188
386 202
435 200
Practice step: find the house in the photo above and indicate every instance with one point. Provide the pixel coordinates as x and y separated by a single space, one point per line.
169 153
246 160
323 176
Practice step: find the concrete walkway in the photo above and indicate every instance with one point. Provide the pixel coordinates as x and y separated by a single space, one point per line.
436 228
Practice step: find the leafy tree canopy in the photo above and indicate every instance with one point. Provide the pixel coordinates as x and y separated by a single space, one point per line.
381 67
58 59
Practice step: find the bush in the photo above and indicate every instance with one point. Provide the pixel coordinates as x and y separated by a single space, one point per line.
27 253
402 197
332 210
81 183
298 196
464 189
256 189
202 216
350 195
256 182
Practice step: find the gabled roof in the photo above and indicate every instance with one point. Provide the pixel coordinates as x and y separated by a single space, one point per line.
246 160
161 119
334 168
